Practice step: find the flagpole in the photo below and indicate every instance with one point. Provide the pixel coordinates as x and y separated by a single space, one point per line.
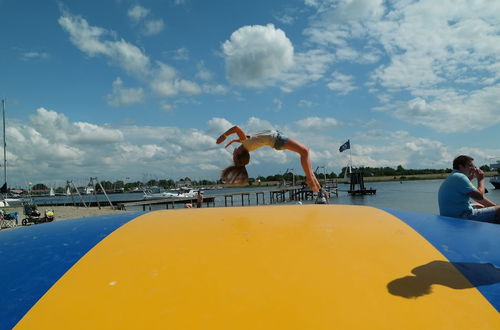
4 144
350 157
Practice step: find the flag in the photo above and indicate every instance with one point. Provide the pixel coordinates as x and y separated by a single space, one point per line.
345 146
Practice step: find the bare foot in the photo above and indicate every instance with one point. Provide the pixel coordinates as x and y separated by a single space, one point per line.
313 185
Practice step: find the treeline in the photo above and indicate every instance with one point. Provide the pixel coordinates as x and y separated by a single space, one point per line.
398 171
401 171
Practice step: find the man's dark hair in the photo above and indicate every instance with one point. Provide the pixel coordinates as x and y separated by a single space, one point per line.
461 160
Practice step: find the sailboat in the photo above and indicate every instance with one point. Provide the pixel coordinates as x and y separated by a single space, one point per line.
6 201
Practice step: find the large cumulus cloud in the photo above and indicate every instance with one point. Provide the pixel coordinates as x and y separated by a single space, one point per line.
256 55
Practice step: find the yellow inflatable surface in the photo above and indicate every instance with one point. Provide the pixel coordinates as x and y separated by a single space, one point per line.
273 267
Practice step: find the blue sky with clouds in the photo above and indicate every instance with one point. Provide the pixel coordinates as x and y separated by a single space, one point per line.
136 89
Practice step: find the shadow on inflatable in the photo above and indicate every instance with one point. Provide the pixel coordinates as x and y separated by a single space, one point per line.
444 273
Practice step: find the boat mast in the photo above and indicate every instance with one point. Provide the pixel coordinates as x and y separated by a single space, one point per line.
4 144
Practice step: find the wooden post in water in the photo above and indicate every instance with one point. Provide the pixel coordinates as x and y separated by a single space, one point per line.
245 194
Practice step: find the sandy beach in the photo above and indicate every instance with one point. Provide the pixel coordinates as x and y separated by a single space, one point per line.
68 212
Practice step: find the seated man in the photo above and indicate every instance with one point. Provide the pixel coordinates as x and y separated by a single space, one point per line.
457 190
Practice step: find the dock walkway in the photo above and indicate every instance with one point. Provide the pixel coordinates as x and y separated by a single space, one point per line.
280 195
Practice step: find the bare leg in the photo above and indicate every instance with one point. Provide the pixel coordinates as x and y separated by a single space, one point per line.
305 161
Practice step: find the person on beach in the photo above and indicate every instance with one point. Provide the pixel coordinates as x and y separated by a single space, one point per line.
322 197
199 199
271 138
457 190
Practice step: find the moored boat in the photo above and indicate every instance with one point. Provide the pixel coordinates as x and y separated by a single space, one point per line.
158 193
495 181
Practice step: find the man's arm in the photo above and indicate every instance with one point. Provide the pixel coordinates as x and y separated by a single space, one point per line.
478 194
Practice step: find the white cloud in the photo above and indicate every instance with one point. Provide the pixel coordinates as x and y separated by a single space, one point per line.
150 27
306 104
350 10
122 96
86 133
91 41
308 67
317 123
214 89
453 112
255 124
181 54
94 41
138 13
278 104
167 107
63 150
219 125
56 127
341 83
153 27
203 73
167 83
255 55
35 56
422 48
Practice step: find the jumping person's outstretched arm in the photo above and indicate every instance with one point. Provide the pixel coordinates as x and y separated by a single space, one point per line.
232 130
231 142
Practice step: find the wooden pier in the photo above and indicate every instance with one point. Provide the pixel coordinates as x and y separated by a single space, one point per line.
357 180
169 202
280 195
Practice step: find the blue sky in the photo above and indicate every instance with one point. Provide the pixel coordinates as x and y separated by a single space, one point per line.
129 90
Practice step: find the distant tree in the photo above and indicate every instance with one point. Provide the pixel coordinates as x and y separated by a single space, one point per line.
130 186
152 183
164 183
331 175
206 182
119 184
485 168
107 185
39 186
288 176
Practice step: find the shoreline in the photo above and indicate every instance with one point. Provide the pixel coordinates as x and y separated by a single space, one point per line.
411 177
67 212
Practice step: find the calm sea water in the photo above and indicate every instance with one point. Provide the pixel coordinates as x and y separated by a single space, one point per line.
419 196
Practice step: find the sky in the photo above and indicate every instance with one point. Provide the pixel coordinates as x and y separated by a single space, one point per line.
139 90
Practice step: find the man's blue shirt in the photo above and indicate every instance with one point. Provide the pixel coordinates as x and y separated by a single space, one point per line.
453 196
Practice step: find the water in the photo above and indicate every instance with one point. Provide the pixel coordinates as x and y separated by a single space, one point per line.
418 196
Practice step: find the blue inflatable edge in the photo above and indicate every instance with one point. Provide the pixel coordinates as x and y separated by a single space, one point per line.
472 247
37 256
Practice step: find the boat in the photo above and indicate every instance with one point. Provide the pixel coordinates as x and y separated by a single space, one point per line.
159 193
495 181
7 200
13 201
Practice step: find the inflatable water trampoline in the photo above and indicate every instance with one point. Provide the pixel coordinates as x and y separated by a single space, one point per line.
266 267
